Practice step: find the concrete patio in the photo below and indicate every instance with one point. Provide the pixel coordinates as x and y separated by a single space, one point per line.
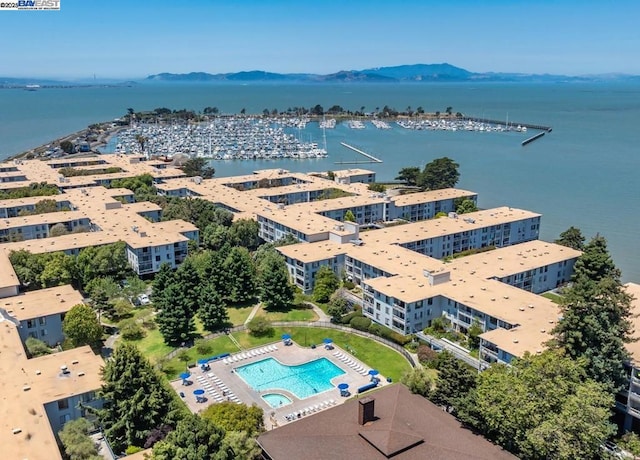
221 383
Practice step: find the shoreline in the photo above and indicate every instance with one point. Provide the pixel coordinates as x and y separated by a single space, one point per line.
98 135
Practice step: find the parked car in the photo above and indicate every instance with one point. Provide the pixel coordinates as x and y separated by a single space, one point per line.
144 299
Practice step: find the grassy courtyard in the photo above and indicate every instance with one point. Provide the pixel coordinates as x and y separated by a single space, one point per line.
389 362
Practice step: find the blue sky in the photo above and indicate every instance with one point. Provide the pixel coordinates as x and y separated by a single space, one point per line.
132 39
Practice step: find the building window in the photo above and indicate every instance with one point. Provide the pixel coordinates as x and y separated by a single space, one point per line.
31 323
63 404
158 258
43 332
43 321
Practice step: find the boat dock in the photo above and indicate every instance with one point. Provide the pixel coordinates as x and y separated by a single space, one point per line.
547 129
370 158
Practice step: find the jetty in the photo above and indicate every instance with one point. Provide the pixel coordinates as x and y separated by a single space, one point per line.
370 158
509 124
533 138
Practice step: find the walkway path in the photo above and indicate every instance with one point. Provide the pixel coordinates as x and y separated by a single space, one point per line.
253 313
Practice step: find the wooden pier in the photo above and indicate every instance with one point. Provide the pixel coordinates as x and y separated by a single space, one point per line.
370 158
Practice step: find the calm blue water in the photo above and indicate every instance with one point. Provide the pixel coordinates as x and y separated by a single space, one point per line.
303 380
584 173
276 399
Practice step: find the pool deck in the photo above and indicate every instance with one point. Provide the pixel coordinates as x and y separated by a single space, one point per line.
221 383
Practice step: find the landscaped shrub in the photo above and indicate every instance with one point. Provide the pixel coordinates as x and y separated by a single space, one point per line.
37 347
203 347
260 327
427 356
130 329
346 319
360 323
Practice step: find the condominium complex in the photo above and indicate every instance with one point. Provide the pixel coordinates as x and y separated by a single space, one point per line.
400 250
40 394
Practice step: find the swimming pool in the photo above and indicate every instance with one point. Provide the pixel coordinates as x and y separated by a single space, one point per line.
303 380
276 399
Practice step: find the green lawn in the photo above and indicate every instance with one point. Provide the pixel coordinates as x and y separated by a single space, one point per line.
555 298
389 362
296 313
238 315
152 345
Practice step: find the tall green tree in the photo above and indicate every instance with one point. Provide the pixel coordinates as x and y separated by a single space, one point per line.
455 380
276 292
136 399
540 407
59 269
215 236
216 273
75 439
189 282
175 319
597 316
419 381
81 326
106 260
327 282
212 311
198 167
194 438
244 232
438 174
242 279
349 216
465 206
572 238
409 175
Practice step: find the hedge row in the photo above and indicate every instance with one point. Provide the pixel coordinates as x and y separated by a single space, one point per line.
358 321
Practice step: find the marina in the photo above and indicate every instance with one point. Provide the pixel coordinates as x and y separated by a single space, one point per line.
225 138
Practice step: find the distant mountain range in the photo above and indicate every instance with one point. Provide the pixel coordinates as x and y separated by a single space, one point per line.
396 74
402 73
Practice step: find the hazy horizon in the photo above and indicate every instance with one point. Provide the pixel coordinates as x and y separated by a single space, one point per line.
126 40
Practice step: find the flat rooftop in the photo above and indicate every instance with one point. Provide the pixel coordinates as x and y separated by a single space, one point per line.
27 385
43 302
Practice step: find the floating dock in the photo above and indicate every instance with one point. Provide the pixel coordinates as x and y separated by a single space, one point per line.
370 158
533 138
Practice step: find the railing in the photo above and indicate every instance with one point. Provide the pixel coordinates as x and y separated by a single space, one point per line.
454 350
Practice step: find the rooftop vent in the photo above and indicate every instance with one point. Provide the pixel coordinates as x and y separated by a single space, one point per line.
17 430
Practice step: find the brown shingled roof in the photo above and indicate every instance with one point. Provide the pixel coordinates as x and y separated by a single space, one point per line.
407 427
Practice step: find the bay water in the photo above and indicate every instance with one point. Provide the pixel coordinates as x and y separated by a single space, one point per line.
584 173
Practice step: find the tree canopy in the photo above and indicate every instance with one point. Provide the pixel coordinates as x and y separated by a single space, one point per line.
194 438
198 167
596 316
76 441
236 417
571 238
276 292
465 206
541 407
409 175
438 174
81 326
137 400
326 283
